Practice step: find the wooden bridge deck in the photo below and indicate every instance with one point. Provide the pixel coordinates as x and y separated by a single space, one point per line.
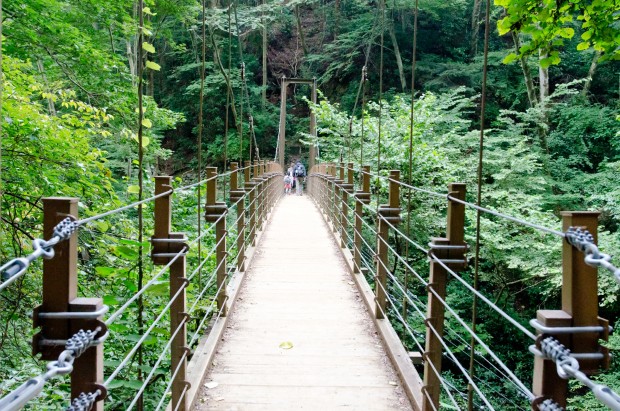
299 291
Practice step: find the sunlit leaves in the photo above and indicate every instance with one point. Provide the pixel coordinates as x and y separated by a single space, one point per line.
545 21
148 47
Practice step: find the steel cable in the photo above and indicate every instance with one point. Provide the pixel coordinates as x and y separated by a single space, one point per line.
138 344
172 378
122 309
157 362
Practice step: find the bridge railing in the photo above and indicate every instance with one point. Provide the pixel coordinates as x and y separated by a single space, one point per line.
73 328
403 295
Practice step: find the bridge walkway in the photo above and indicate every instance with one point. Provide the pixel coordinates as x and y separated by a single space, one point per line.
299 336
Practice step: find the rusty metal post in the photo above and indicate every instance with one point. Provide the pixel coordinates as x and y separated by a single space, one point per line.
579 309
60 296
215 212
165 244
362 197
437 282
237 196
387 213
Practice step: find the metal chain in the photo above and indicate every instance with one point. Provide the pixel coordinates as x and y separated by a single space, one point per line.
568 367
549 405
41 248
74 347
584 242
84 402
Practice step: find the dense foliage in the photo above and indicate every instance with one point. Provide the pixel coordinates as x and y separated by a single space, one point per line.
69 127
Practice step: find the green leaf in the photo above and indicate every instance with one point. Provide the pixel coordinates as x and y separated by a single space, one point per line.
148 47
105 271
146 31
546 62
510 58
286 345
133 189
150 340
148 12
110 300
102 226
152 65
160 288
135 243
126 252
583 45
566 32
147 123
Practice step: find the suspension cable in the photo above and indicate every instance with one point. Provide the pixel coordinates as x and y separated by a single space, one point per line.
144 336
413 68
140 66
1 99
474 303
200 125
380 89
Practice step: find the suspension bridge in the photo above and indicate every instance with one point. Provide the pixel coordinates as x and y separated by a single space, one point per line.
305 302
322 301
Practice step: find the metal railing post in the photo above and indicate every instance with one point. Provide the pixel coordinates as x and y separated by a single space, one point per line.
60 281
165 244
331 201
215 212
455 250
347 189
250 187
237 196
579 309
387 213
362 197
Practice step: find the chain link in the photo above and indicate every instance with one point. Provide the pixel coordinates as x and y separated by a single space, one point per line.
84 402
74 347
40 248
584 241
568 367
549 405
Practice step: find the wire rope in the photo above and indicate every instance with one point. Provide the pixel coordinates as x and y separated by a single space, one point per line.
172 378
1 101
143 337
380 89
157 362
200 124
411 124
474 303
140 66
459 365
122 309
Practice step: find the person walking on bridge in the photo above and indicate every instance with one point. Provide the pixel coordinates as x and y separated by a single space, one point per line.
299 172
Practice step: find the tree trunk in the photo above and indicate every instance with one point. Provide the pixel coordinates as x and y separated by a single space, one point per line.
588 83
527 74
301 32
131 58
475 27
264 91
50 103
399 61
543 74
336 18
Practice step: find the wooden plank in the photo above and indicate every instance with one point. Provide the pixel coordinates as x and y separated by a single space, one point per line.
298 289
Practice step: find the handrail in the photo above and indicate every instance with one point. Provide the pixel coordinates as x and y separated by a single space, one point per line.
331 190
170 250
